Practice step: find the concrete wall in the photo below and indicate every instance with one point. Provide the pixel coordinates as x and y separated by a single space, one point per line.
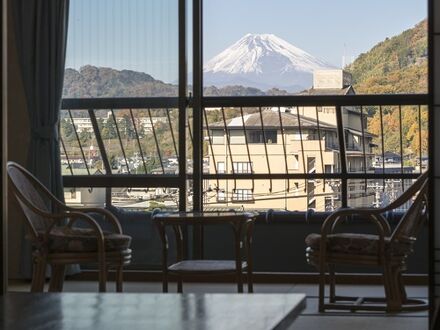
331 79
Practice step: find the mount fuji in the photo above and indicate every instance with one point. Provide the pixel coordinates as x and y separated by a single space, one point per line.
263 61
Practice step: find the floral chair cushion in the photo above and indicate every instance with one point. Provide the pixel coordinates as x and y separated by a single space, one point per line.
65 239
350 243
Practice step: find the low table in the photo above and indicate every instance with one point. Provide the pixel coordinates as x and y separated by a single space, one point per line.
242 224
108 311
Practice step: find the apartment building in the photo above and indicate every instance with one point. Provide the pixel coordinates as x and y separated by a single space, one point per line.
145 123
291 140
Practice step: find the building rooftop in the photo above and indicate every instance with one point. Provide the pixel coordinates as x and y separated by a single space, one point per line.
349 90
271 119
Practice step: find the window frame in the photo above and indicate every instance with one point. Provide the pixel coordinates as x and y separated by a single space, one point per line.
197 102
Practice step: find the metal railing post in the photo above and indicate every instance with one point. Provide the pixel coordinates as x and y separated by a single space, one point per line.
342 156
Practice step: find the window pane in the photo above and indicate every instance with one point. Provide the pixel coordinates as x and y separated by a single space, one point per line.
119 48
130 198
300 47
392 139
166 199
377 193
79 150
136 141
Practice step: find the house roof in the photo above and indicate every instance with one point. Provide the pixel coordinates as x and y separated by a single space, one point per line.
358 132
389 154
271 119
328 91
348 90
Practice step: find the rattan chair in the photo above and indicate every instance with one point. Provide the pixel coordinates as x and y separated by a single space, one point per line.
387 250
57 242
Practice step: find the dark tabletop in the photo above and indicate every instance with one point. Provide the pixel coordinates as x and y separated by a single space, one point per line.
132 311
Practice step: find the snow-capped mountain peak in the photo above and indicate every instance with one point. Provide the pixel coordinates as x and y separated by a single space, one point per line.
262 60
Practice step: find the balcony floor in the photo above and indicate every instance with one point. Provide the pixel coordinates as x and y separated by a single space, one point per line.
309 319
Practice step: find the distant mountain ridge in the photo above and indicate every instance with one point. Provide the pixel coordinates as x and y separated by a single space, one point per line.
263 61
91 81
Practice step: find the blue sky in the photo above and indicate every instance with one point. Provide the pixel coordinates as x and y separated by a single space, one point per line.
141 35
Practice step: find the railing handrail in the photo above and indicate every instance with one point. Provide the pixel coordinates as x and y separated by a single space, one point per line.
171 180
246 101
119 103
315 100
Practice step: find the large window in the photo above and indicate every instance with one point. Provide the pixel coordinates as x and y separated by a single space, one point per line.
293 144
265 136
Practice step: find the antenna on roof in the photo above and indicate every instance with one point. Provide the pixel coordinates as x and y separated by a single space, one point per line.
343 57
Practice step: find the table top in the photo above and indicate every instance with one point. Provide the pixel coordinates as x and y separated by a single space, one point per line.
204 217
149 311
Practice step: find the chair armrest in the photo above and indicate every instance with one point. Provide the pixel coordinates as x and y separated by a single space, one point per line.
372 214
375 215
73 217
107 215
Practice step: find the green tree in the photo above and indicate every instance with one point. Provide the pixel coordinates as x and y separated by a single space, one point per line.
67 131
126 127
108 129
85 136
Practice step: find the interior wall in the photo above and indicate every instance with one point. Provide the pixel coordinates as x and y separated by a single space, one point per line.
18 140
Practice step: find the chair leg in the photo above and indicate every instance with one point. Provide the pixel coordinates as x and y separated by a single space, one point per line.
399 289
250 281
238 262
387 285
239 283
179 284
119 278
57 278
392 289
250 264
403 295
102 276
165 281
332 283
321 289
39 274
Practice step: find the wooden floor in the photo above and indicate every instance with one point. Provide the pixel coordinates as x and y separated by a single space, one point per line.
309 319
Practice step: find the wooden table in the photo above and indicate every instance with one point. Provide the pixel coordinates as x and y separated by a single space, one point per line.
108 311
242 224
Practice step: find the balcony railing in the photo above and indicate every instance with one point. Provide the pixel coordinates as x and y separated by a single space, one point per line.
136 143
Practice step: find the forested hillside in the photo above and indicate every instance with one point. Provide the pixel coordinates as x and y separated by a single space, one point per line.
91 81
396 65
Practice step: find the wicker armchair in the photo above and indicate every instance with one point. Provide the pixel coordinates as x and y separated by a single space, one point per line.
55 239
387 250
